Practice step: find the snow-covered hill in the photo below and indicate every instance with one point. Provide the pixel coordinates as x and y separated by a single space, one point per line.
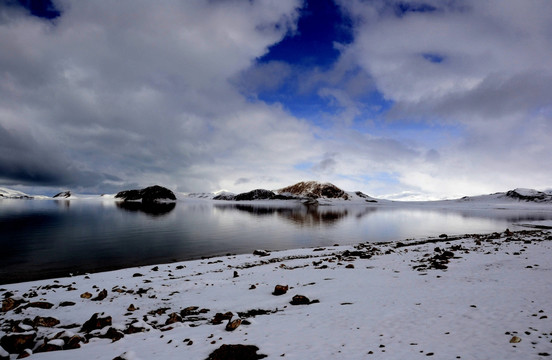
6 193
516 195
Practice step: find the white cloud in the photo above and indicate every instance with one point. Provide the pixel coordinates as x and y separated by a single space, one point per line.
481 67
140 91
136 92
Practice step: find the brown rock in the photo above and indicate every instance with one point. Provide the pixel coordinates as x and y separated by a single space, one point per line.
66 303
515 340
190 310
26 353
101 295
134 328
350 266
131 307
236 352
73 342
219 318
16 343
300 300
10 303
96 322
40 305
173 318
47 347
45 321
113 334
261 253
86 295
280 290
233 325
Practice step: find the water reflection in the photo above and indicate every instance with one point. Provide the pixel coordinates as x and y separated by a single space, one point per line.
49 238
300 215
152 209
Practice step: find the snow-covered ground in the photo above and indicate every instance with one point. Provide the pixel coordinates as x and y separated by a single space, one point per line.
469 297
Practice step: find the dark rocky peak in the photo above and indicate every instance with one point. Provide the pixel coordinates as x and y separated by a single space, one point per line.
64 194
257 194
315 190
150 194
529 195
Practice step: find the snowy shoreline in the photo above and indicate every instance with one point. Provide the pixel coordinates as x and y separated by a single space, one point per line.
460 297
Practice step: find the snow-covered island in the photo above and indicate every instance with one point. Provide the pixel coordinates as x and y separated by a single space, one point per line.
306 192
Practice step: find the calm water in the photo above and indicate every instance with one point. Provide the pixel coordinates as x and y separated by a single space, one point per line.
42 239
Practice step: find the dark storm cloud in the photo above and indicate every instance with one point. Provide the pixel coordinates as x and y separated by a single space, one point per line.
24 160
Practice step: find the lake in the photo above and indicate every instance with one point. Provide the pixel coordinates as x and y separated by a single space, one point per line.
55 238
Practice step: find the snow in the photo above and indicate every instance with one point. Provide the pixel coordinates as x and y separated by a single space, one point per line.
12 194
526 192
496 287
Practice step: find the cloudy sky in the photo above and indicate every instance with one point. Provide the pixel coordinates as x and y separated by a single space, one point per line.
398 99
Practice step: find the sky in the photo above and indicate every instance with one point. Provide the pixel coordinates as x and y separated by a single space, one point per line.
405 100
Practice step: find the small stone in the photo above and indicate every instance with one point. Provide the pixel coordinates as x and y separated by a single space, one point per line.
101 295
45 321
252 287
96 322
280 290
190 310
300 300
40 305
49 346
350 266
134 328
236 274
233 325
173 318
86 295
113 334
66 303
219 317
73 342
131 307
261 253
515 340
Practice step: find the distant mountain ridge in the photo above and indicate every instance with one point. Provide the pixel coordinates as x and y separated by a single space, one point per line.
309 192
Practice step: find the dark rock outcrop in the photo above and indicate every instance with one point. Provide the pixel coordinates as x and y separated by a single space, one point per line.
233 324
16 343
280 290
236 352
148 195
96 321
225 196
315 190
257 194
529 195
63 194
